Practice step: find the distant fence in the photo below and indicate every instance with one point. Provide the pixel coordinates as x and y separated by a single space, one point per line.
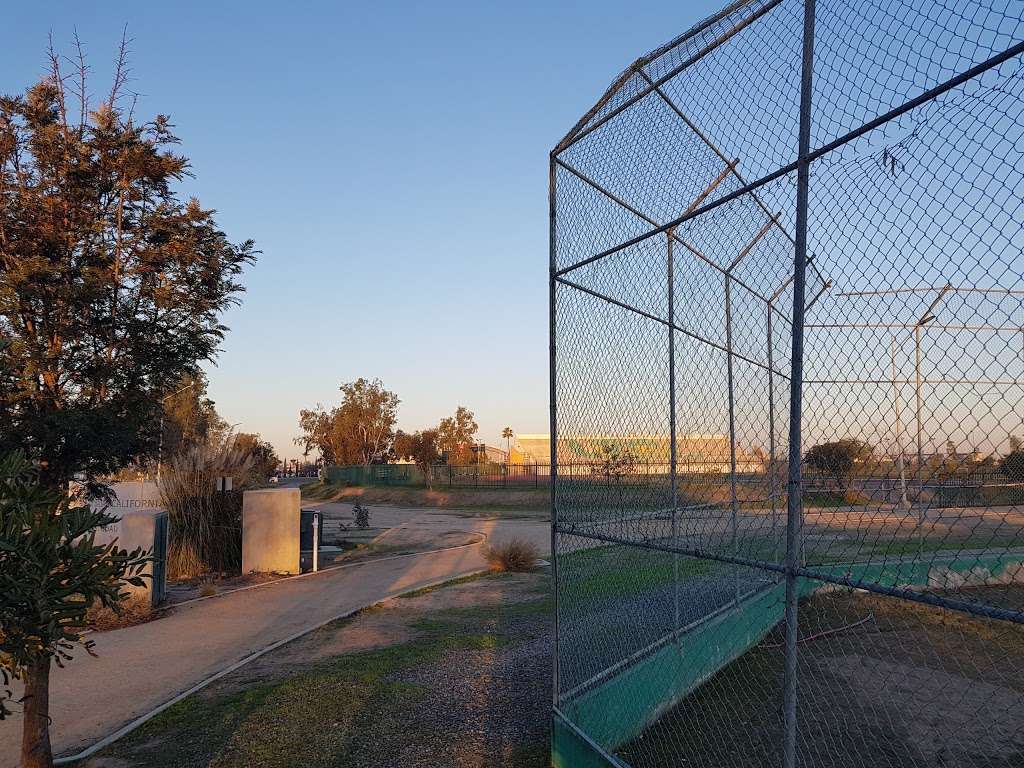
443 475
696 480
493 475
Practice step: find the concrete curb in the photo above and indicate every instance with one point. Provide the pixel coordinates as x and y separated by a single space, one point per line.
125 730
343 566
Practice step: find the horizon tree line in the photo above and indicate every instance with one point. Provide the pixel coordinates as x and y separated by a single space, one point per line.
362 429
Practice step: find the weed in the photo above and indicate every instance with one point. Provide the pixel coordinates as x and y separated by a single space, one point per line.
513 555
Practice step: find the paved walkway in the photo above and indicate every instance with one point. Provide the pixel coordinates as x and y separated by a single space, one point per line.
141 667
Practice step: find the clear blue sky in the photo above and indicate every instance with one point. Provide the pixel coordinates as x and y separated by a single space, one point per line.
390 160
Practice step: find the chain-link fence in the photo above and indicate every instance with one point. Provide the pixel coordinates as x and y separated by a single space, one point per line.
796 234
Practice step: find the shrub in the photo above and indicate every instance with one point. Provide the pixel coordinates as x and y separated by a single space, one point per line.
51 572
838 459
205 524
136 609
513 555
1012 465
361 515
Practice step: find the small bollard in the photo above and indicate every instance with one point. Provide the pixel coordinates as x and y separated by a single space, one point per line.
316 541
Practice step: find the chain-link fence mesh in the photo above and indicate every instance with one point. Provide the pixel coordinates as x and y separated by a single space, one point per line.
863 605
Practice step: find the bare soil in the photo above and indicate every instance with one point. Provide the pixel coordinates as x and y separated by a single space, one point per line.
882 682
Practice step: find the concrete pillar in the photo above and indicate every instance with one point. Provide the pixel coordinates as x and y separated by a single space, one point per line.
270 530
142 523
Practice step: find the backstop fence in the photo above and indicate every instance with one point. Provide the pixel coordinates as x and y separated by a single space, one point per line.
798 226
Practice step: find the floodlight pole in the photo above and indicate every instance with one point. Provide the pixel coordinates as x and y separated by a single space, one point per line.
794 512
927 317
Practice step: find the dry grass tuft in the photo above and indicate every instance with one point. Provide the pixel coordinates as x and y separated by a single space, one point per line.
135 609
513 555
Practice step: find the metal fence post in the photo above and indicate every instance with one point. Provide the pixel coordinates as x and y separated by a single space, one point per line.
920 438
771 432
316 541
898 427
732 430
672 424
794 511
553 417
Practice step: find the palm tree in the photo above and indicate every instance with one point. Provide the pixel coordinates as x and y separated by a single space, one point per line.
507 434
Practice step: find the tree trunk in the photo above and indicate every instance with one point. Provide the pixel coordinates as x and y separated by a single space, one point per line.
35 738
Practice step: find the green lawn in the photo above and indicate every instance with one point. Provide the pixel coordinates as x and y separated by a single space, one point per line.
620 571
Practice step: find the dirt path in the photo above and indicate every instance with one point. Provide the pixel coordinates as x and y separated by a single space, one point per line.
141 667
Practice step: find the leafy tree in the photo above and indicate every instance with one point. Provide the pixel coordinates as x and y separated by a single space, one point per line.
507 433
614 461
111 290
838 458
359 431
261 453
51 571
456 435
190 416
419 448
111 286
1012 465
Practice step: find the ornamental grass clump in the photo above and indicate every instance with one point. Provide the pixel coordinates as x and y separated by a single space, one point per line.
205 523
513 555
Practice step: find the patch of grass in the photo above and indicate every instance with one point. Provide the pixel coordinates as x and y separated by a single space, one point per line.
328 713
907 546
619 571
268 725
202 720
475 615
450 583
825 499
